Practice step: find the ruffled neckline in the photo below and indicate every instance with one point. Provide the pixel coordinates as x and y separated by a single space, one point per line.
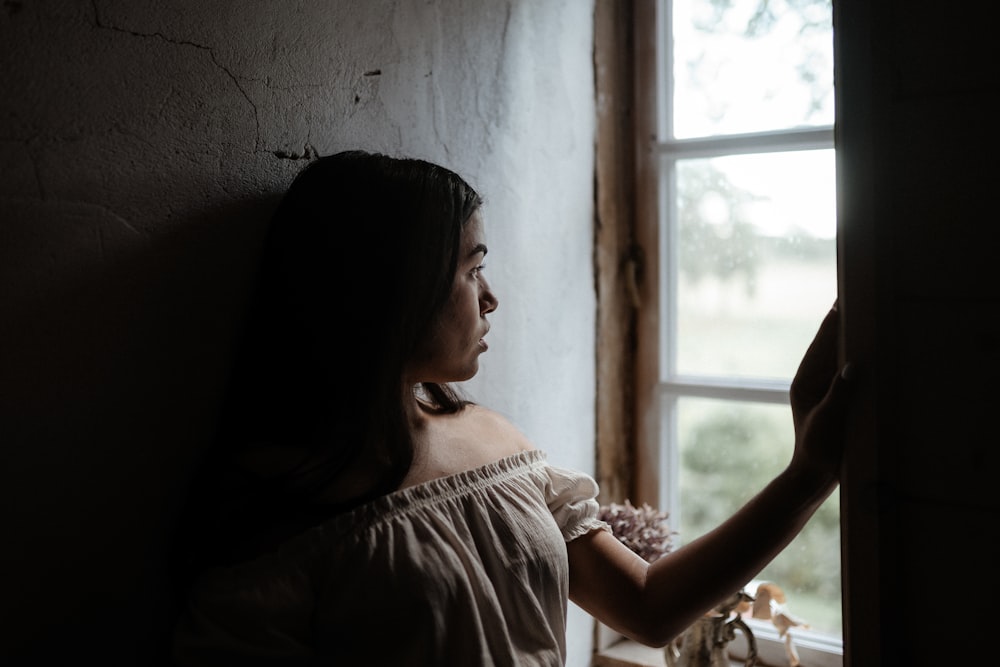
432 491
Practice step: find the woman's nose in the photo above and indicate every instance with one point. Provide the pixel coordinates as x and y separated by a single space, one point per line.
487 300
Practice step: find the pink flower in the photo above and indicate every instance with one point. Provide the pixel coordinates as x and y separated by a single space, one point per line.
642 529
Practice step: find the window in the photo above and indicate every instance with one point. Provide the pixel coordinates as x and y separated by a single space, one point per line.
734 255
746 214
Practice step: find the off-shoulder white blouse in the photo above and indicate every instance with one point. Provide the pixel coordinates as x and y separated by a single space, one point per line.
468 569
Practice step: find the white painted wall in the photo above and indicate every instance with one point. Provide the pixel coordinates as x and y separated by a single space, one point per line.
141 146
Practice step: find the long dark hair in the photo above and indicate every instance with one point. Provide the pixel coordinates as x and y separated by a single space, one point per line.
359 258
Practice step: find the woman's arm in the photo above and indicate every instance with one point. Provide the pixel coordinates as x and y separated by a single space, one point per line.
654 603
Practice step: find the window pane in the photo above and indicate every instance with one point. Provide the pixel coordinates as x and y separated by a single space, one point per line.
728 451
751 66
756 261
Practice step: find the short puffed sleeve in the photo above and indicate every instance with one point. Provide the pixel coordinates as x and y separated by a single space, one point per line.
572 498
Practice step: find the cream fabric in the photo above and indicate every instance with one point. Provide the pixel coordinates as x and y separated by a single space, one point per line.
468 570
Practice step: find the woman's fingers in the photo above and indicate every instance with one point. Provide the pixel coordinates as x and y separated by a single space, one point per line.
818 366
821 430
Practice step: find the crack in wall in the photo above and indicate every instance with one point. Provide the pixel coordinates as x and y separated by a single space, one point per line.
33 161
26 145
42 194
117 217
100 242
308 153
99 23
80 205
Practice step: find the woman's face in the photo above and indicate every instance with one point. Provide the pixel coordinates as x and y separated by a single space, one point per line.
450 352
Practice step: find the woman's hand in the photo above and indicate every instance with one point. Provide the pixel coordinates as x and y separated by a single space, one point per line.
819 403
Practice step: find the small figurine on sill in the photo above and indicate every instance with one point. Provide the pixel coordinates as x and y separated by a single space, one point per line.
705 643
769 604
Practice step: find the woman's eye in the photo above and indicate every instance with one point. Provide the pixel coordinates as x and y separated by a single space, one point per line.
479 269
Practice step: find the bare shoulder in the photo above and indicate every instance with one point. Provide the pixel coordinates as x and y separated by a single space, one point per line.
498 429
455 442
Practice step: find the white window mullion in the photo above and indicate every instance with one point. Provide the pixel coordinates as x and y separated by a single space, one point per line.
733 389
668 269
757 142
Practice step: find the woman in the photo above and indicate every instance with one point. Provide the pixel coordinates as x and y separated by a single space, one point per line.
359 511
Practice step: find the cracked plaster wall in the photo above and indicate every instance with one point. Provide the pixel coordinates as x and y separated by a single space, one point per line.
142 145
